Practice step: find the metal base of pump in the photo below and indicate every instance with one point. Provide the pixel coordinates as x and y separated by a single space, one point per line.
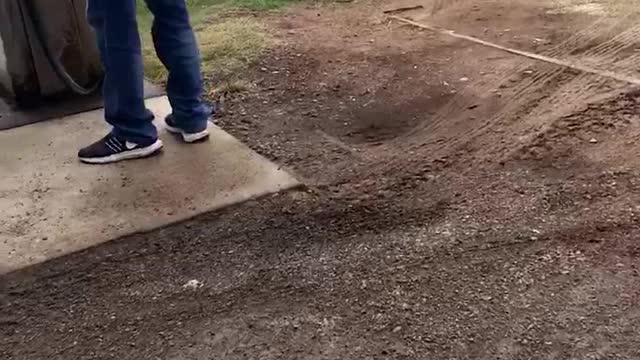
11 117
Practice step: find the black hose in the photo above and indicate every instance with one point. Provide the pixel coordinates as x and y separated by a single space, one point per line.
55 62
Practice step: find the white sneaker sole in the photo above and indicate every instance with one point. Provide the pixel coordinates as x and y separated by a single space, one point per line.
188 137
126 155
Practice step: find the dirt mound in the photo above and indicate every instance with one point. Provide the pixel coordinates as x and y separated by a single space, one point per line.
612 120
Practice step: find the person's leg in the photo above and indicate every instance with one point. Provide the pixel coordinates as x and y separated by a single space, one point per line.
176 47
133 134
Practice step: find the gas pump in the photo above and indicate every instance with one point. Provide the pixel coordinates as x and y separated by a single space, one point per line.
47 55
49 62
48 50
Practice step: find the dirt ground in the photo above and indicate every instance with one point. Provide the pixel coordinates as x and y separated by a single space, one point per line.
461 203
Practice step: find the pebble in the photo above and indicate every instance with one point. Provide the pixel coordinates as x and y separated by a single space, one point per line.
192 285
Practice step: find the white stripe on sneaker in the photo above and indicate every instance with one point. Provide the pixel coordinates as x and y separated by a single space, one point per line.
112 147
115 142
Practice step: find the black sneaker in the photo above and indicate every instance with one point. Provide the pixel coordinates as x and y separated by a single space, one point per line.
189 136
111 149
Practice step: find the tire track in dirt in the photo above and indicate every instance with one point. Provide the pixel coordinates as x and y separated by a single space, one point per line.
522 94
521 90
529 121
585 88
623 39
535 102
533 94
559 139
582 37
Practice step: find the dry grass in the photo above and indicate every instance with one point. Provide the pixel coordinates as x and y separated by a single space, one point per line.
226 48
230 46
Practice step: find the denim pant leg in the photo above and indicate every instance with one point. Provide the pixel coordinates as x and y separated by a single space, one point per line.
176 47
116 30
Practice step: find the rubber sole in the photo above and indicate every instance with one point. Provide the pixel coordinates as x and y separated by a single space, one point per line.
188 137
126 155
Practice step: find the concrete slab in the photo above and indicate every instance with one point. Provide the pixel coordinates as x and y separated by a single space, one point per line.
51 205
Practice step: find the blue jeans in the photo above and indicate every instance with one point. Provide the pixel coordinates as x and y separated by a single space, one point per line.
118 40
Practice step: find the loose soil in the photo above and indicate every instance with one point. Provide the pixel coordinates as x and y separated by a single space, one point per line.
461 203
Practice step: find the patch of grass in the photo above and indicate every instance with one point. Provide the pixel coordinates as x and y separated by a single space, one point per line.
231 45
227 47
